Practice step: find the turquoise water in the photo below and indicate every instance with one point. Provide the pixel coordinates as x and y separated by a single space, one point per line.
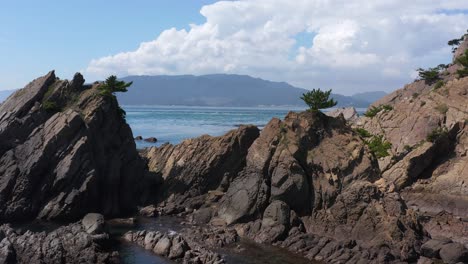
174 123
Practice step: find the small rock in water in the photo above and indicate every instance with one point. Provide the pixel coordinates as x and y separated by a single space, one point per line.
138 138
151 139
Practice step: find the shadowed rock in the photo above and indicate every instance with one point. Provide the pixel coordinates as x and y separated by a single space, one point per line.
65 151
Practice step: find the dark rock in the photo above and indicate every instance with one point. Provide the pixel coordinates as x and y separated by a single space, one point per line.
432 248
148 211
74 157
151 140
454 253
196 166
138 138
67 244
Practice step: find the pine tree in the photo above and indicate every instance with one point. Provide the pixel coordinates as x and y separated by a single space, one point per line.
112 85
318 99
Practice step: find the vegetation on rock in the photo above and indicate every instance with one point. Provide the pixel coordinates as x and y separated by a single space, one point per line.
431 75
379 146
50 107
436 134
374 110
111 86
454 43
318 99
463 61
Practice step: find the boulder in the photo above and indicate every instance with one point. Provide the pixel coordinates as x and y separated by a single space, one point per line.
349 113
151 140
163 246
94 223
178 249
454 253
138 138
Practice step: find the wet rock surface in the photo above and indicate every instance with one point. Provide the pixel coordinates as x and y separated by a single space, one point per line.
174 246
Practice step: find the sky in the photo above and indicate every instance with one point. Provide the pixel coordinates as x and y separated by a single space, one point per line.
349 46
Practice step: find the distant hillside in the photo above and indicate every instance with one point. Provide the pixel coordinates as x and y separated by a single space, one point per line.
217 90
369 96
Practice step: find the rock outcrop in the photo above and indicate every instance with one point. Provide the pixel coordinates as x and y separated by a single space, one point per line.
198 167
309 177
428 129
67 244
65 151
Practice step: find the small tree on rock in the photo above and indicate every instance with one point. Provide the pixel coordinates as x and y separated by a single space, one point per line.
318 99
112 85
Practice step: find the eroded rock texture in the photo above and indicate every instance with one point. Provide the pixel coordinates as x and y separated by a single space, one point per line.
67 244
66 150
428 130
311 177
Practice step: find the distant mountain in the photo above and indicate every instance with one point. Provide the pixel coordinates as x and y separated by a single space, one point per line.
217 90
4 94
369 96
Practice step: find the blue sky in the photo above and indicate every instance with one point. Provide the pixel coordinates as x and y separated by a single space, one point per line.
348 46
36 36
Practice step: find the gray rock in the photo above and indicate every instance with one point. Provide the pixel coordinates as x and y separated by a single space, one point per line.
62 164
94 223
178 249
163 246
454 253
432 248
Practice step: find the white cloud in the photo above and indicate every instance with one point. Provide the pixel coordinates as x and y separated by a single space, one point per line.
356 45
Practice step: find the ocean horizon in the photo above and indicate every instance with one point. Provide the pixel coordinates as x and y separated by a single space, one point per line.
173 124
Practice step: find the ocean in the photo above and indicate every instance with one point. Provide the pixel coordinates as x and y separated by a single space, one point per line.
173 124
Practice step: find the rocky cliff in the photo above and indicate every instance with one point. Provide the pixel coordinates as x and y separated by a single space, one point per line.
65 151
427 124
307 184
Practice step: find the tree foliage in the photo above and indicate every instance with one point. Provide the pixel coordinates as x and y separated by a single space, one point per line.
463 61
431 75
112 85
318 99
454 43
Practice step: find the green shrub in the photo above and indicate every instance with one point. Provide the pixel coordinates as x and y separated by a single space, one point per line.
436 134
363 133
50 107
318 99
439 84
415 95
463 61
442 108
373 111
379 146
429 76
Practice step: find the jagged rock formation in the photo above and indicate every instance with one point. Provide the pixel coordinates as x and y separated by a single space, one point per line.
428 129
65 151
67 244
196 166
309 177
349 113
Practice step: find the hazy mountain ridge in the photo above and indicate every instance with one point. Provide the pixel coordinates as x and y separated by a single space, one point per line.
218 90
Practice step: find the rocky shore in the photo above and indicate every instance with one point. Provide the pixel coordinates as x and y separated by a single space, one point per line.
320 186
